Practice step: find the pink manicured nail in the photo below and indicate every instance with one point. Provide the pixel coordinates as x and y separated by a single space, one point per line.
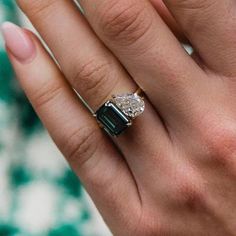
18 42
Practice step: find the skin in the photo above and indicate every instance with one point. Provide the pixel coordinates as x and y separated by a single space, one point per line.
173 172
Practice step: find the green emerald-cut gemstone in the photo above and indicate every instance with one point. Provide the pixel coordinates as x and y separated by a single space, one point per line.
112 118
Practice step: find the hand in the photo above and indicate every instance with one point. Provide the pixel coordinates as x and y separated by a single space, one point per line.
174 171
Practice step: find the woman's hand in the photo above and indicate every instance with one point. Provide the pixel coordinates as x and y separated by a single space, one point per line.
174 171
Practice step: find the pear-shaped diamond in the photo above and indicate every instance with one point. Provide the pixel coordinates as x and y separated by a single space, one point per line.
132 105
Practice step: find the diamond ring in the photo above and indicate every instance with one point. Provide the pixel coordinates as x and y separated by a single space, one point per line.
117 114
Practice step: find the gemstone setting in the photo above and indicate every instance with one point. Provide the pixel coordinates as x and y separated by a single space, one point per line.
132 105
113 120
116 115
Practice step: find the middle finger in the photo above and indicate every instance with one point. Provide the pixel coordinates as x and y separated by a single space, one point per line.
150 52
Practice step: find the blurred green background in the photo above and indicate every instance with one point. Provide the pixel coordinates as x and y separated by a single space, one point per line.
39 194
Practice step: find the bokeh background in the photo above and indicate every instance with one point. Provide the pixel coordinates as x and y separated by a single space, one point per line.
39 194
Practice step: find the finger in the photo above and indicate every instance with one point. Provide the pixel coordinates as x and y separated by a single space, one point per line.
149 51
73 129
88 65
209 25
95 73
169 19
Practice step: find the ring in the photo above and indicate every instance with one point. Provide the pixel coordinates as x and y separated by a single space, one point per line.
117 114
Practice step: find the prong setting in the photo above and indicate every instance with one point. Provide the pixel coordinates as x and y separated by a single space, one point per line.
116 115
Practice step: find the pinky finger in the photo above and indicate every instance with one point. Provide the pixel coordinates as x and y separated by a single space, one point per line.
92 156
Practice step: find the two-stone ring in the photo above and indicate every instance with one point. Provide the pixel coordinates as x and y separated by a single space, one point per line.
117 114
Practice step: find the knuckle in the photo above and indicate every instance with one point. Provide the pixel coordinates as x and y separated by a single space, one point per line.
221 144
46 94
189 194
81 145
126 22
94 79
91 75
35 7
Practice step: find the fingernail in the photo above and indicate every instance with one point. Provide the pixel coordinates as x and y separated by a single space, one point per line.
18 42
